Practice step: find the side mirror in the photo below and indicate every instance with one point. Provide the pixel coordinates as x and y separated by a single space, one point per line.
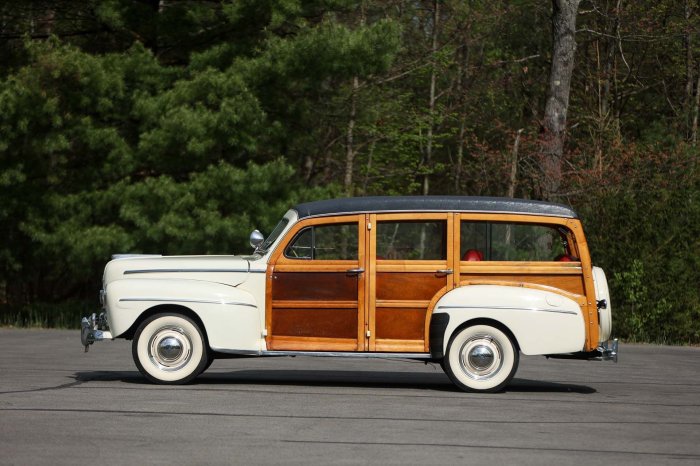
256 238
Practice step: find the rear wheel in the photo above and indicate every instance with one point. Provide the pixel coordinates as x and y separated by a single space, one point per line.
481 358
170 349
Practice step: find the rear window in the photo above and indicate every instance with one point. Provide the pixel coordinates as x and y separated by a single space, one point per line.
493 241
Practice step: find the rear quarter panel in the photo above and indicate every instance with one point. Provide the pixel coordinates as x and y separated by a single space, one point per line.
542 322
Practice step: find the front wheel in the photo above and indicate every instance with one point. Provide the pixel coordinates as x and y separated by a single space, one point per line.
481 358
170 349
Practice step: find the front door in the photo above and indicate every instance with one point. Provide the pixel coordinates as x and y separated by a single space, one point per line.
316 287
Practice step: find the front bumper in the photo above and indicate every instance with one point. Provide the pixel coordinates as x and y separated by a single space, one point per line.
94 328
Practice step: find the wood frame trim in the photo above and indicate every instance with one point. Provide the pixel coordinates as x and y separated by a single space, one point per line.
579 299
371 319
591 308
400 346
390 303
522 267
312 343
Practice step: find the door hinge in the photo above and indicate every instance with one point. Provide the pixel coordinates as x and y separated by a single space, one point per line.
368 333
369 225
264 332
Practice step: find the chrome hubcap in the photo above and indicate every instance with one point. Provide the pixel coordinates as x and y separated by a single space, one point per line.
481 357
170 348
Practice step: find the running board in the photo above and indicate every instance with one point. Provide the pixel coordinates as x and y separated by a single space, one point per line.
332 354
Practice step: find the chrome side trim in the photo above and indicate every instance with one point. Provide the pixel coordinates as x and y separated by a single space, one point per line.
130 272
510 309
184 300
329 354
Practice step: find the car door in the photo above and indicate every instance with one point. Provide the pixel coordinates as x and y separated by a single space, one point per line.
316 287
410 262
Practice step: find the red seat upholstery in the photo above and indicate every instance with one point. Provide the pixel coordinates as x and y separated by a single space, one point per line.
473 255
566 258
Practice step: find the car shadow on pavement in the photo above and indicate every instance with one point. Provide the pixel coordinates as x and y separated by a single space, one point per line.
335 378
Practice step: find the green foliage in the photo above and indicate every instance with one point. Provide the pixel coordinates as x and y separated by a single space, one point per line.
178 126
646 233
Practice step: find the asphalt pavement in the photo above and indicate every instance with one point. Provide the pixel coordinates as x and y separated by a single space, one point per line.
60 406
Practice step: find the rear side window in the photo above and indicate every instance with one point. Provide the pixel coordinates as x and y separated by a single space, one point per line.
512 242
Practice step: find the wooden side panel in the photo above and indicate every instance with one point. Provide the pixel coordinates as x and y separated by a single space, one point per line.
401 323
314 286
408 286
310 322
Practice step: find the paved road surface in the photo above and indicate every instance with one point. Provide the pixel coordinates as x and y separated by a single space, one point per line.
60 406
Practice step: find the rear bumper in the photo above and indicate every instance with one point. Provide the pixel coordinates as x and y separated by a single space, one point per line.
94 328
606 351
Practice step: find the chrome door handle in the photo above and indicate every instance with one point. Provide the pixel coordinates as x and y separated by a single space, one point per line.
444 271
357 271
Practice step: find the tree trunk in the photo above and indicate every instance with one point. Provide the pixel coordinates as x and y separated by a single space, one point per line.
349 139
431 103
689 100
605 88
462 76
696 112
514 165
554 124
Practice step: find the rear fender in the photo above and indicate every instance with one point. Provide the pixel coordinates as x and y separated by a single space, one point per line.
542 322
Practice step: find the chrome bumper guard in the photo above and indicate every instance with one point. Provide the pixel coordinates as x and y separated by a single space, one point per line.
94 328
608 350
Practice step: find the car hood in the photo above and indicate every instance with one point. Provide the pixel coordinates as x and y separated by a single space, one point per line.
229 270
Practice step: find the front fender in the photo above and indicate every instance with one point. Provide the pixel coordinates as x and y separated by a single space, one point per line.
541 321
231 316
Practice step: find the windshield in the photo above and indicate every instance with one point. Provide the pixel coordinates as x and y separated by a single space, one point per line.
265 245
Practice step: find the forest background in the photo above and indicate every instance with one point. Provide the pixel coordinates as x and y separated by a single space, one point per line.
177 127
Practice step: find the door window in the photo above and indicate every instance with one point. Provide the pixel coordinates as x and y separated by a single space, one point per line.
337 241
412 240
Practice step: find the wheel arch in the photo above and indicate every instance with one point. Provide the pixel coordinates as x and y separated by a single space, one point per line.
167 309
438 342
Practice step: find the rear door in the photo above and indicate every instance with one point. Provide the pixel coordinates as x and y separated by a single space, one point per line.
410 262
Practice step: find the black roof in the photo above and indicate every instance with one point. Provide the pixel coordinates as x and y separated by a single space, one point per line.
432 204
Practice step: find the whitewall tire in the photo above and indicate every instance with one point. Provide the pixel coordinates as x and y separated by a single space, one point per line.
481 358
170 349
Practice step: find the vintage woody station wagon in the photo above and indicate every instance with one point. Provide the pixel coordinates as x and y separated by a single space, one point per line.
467 282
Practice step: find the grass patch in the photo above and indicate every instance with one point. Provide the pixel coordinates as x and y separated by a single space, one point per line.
65 315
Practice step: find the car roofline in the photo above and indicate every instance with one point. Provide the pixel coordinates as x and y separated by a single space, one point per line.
399 204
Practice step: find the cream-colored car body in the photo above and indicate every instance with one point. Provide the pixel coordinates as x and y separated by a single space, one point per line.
226 292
